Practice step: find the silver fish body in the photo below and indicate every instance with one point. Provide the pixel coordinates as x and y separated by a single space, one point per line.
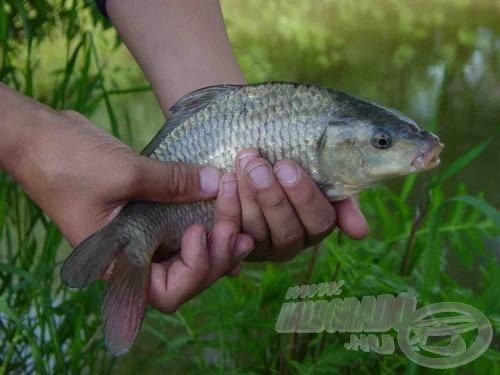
281 120
346 144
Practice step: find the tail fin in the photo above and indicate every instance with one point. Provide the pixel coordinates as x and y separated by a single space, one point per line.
92 257
124 303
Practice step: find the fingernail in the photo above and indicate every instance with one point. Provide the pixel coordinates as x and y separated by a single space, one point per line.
260 175
209 180
229 186
242 247
287 174
246 157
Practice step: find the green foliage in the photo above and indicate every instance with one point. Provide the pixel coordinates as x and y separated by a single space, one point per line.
230 328
435 238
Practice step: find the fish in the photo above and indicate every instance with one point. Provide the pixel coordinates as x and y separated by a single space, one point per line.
345 143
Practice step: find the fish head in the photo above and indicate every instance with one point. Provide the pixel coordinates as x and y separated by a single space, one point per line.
376 145
392 151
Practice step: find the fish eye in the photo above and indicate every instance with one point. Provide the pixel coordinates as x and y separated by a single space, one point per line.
381 139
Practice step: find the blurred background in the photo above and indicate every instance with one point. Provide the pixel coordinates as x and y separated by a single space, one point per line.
435 235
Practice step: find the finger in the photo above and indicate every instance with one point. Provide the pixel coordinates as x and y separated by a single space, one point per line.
160 181
350 219
287 233
227 248
253 221
316 213
177 280
228 203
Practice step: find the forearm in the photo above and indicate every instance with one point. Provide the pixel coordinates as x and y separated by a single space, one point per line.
180 45
22 122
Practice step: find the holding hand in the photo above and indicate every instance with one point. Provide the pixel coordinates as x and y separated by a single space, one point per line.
284 211
82 177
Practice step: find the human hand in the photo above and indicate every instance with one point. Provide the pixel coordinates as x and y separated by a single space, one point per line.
82 177
284 211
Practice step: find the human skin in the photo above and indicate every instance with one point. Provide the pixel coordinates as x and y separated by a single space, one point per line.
182 46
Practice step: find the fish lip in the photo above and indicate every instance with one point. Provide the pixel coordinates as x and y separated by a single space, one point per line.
427 158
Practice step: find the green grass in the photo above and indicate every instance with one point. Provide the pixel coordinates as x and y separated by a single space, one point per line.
430 236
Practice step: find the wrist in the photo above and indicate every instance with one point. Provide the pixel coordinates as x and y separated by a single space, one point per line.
22 123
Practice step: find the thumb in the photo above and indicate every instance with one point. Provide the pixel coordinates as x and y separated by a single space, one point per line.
163 181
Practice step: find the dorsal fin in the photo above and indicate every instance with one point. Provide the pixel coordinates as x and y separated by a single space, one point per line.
185 107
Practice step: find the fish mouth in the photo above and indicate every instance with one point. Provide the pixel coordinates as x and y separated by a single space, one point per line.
428 157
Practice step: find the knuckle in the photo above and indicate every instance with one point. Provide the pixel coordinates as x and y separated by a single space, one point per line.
292 236
258 232
323 227
245 194
259 237
306 196
275 201
233 217
230 227
178 183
